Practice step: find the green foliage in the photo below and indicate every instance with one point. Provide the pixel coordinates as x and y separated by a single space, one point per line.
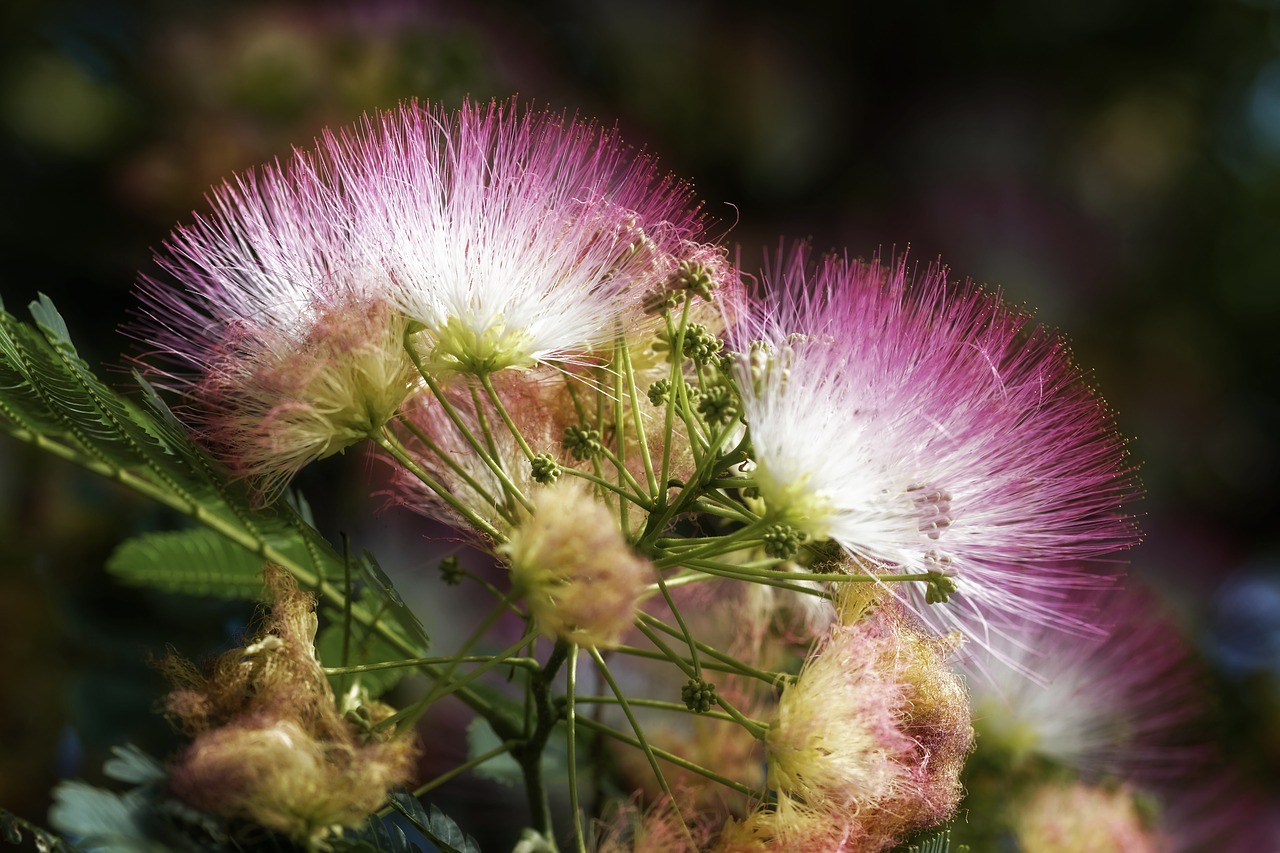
141 819
50 398
438 827
197 561
389 835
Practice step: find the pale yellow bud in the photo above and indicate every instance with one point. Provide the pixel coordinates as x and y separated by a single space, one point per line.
579 578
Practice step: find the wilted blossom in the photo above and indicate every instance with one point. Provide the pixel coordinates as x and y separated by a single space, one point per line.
269 742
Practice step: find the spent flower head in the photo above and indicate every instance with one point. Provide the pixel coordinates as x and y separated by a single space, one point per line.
269 741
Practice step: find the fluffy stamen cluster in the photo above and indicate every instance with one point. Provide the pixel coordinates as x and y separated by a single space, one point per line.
873 733
943 433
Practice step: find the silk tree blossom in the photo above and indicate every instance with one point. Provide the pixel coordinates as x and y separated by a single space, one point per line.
274 325
491 238
1127 704
875 723
926 428
514 238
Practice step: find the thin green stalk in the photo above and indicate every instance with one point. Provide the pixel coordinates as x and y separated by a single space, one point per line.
411 663
387 441
710 651
674 707
770 678
448 459
756 728
701 576
456 419
471 764
714 546
571 721
612 487
631 718
684 629
629 377
675 378
671 758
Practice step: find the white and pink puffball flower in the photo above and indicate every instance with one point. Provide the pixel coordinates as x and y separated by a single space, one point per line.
474 240
927 428
1126 704
275 327
514 237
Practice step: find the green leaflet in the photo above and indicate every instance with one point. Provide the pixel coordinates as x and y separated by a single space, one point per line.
50 398
196 561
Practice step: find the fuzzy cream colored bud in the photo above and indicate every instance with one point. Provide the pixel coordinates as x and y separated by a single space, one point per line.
1079 818
876 724
580 579
836 737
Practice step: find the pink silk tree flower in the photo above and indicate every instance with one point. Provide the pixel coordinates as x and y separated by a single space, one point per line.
472 241
273 325
1129 704
931 429
515 238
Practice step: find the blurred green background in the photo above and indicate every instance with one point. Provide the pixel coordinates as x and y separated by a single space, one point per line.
1112 164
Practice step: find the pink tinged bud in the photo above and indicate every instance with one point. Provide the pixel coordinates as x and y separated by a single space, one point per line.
1075 818
943 432
877 726
579 577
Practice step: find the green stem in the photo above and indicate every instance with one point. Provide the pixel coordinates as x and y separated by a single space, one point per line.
710 651
686 666
571 721
631 718
471 764
451 411
529 753
675 707
501 409
629 376
526 663
387 441
684 763
448 459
